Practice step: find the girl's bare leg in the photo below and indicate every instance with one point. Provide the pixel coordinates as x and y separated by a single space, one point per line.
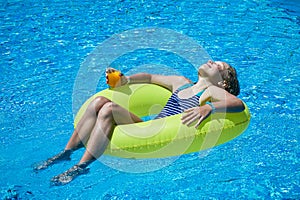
109 115
80 135
85 126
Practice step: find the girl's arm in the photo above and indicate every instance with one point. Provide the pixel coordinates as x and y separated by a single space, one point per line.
223 101
220 101
169 82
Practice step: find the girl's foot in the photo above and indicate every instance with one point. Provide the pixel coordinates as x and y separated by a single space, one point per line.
64 155
70 174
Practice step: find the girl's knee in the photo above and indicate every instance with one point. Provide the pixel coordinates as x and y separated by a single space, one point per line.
100 100
97 104
106 110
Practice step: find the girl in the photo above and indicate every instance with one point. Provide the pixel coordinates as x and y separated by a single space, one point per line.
217 84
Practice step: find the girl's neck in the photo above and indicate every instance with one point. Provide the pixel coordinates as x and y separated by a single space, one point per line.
203 83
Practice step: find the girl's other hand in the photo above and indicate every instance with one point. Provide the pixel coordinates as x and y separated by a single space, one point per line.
196 114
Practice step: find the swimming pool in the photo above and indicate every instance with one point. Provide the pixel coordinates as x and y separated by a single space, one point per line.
44 43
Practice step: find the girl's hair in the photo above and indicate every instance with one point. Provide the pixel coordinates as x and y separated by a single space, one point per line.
230 81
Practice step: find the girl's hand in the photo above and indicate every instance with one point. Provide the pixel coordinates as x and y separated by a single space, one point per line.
196 114
114 78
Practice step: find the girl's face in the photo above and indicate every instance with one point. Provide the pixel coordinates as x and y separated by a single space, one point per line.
212 70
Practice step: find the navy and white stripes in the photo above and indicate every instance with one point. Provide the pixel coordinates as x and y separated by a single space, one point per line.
175 105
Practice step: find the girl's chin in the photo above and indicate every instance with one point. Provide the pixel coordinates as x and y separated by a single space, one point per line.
202 73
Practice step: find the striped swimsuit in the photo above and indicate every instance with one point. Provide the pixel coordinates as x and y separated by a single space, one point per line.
175 105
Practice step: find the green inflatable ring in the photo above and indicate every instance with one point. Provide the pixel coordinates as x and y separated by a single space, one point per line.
167 136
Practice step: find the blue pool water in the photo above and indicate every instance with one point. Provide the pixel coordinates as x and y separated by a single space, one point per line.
44 43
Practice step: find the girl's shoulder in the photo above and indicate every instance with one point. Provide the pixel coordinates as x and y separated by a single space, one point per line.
181 82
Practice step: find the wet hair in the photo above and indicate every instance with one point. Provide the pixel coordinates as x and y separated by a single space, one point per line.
230 81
